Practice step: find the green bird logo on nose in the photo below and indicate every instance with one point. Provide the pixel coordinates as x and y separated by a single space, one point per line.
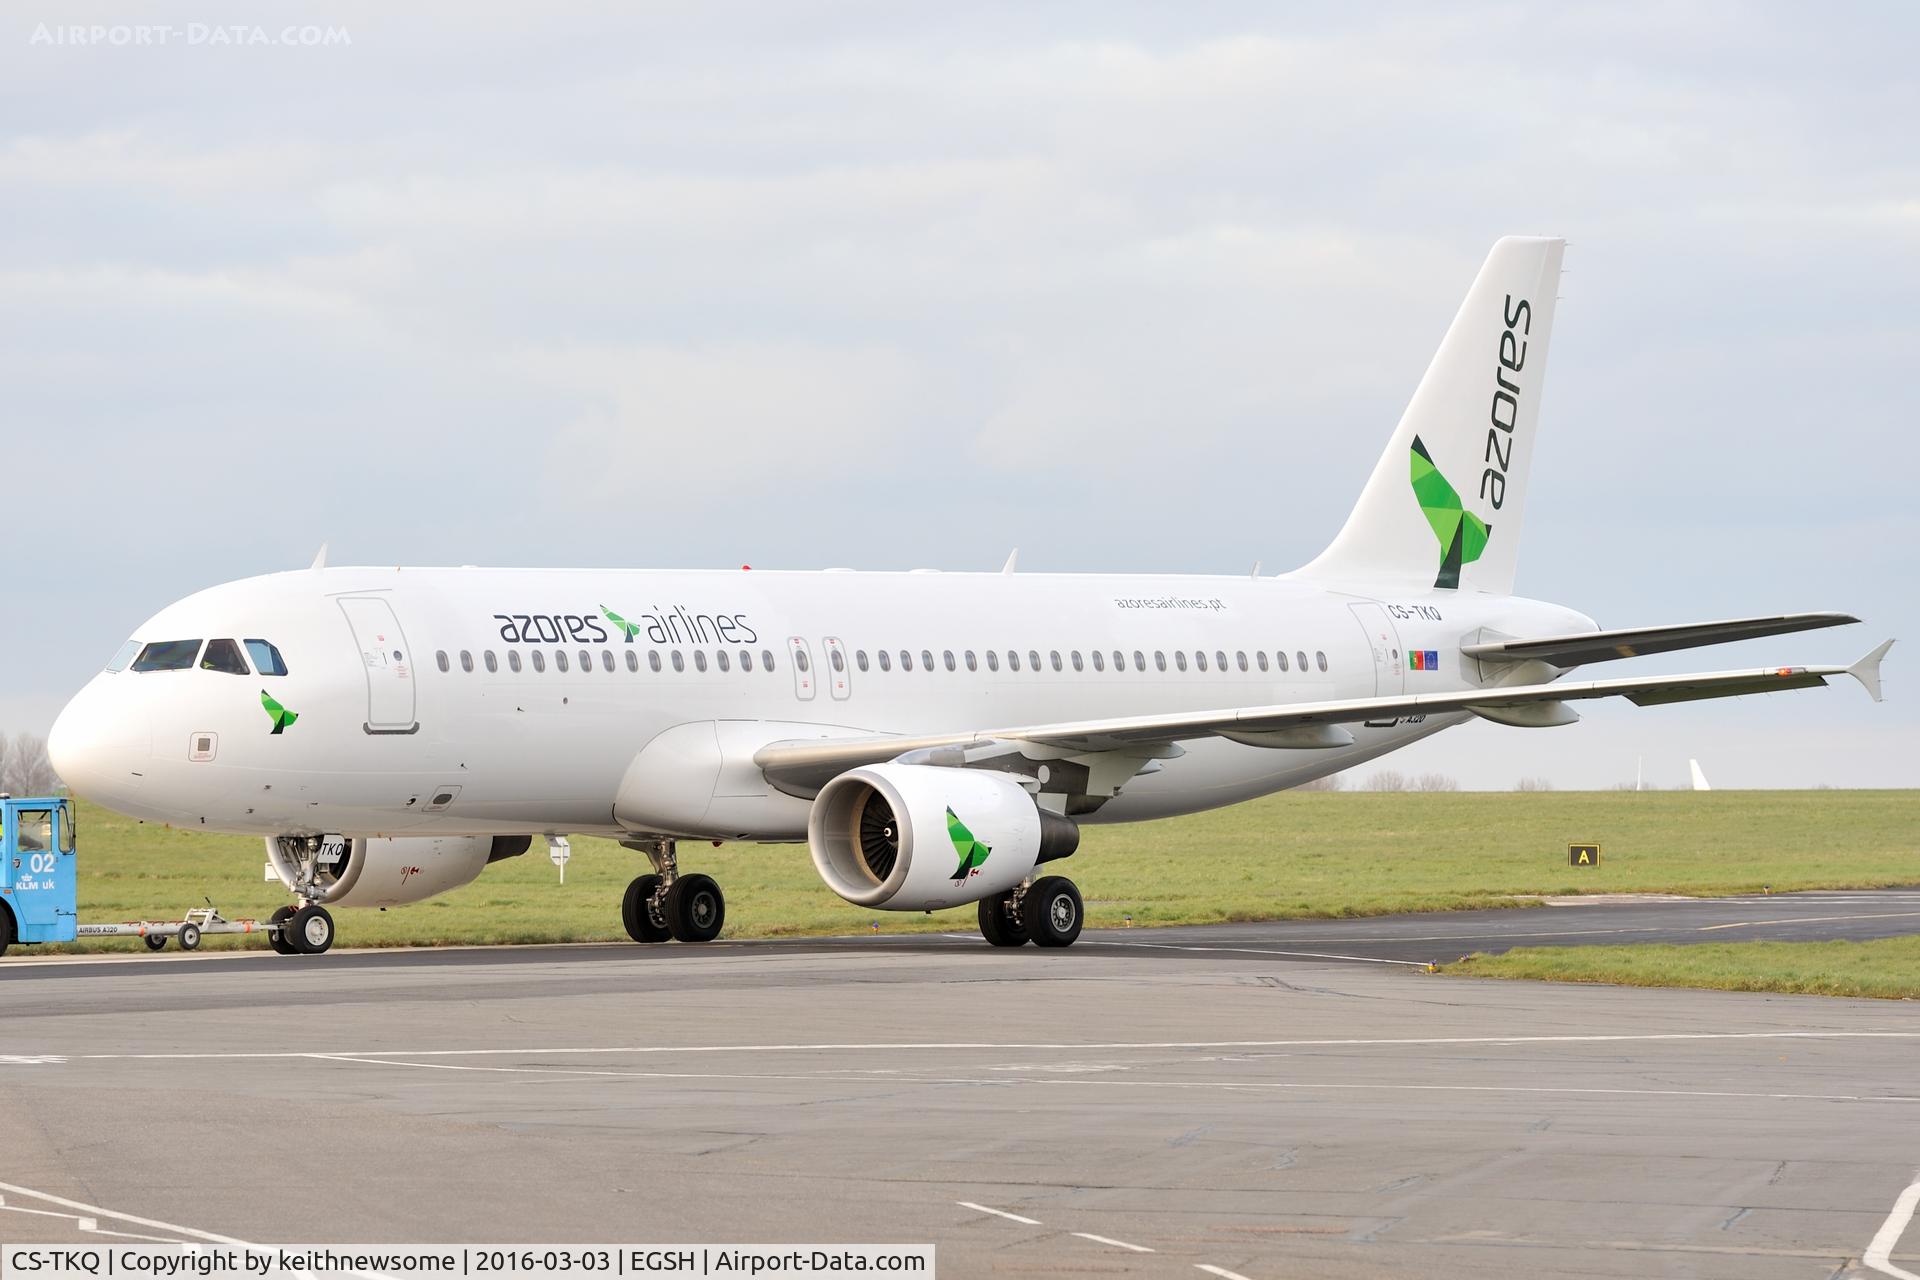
973 854
280 716
627 628
1463 535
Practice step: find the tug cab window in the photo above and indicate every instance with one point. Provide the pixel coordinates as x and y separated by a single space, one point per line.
167 655
266 658
224 656
36 831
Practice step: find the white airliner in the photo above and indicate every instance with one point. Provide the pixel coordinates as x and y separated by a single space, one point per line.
933 737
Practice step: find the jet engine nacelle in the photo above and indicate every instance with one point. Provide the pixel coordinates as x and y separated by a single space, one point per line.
909 837
381 871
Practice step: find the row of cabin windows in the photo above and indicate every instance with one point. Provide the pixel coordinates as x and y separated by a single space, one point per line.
1095 658
884 658
537 660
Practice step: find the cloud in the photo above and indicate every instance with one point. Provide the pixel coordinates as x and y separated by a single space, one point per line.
1148 285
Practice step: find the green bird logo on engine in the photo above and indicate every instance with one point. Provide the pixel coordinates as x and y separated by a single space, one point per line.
1463 535
973 853
280 716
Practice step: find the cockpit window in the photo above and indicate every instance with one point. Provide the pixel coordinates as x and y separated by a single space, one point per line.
167 655
266 658
223 655
125 654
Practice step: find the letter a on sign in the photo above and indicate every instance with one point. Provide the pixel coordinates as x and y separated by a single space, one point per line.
1583 855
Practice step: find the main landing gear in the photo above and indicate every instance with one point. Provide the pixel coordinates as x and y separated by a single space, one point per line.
1047 912
665 904
300 931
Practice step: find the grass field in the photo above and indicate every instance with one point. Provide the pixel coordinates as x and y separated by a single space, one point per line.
1888 968
1295 854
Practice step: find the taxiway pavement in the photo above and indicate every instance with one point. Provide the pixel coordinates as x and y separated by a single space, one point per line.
1159 1103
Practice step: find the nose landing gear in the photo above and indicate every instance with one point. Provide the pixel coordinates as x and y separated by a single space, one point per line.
666 904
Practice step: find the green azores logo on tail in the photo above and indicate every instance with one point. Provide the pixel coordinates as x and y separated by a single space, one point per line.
280 716
1463 535
973 853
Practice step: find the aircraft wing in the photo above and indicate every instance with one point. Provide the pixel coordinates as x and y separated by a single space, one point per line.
1601 646
803 766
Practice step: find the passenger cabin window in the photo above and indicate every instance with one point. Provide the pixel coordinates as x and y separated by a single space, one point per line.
653 659
973 663
513 660
906 659
493 663
746 660
167 655
859 658
266 658
993 660
1200 659
1261 658
1220 659
223 655
679 661
539 659
801 660
124 655
606 660
836 659
720 659
926 659
1013 659
1301 658
440 660
1180 659
633 660
1099 660
1139 660
1281 658
886 660
559 659
1320 657
766 659
946 655
699 659
466 660
1033 659
586 660
1160 659
1119 660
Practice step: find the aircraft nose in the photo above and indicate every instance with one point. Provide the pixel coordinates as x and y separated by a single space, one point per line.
102 744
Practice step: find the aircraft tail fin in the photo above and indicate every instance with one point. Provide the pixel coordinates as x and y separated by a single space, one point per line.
1443 507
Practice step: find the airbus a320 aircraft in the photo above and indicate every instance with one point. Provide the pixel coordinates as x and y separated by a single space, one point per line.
934 738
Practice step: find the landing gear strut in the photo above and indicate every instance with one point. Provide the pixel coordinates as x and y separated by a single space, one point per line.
1047 912
666 904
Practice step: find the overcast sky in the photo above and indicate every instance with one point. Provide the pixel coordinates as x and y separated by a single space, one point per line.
879 285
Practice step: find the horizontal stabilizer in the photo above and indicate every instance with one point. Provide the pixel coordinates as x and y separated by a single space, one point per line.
1603 646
